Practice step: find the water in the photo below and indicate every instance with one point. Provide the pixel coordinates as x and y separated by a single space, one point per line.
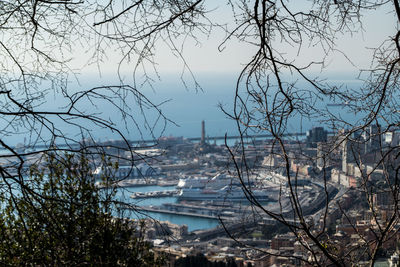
193 223
186 107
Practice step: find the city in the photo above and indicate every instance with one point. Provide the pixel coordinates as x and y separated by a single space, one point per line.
200 133
197 180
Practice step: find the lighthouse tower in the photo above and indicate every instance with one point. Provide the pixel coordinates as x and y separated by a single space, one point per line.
203 133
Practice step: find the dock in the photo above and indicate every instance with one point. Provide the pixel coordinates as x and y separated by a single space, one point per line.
155 194
190 214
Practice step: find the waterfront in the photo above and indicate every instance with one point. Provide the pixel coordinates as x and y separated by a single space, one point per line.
193 223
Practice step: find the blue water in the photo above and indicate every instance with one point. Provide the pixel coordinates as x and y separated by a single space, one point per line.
193 223
185 107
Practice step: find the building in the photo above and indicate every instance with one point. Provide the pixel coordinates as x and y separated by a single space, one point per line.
315 135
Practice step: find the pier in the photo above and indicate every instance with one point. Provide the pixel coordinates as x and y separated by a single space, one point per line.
137 182
128 183
189 214
155 194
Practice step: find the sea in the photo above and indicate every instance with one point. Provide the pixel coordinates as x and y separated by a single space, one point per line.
185 105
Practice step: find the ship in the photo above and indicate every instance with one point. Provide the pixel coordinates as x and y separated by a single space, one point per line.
338 104
216 182
231 193
197 182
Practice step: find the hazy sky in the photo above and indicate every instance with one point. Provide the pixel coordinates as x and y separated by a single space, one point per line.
205 57
202 55
216 70
188 107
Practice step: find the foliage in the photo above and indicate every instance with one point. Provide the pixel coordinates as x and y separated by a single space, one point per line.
282 81
270 231
67 221
200 260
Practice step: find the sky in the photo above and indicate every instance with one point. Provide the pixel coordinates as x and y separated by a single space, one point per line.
205 56
216 70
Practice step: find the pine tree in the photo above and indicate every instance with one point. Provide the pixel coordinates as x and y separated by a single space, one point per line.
65 220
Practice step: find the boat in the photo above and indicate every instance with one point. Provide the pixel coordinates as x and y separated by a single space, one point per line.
197 182
338 104
216 182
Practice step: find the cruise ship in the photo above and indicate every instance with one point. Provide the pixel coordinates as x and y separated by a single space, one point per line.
230 193
217 182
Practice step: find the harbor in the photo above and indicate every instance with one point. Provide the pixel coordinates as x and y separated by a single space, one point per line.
189 185
213 201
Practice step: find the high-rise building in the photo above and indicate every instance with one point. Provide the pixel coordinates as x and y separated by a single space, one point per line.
344 155
372 138
316 135
322 155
